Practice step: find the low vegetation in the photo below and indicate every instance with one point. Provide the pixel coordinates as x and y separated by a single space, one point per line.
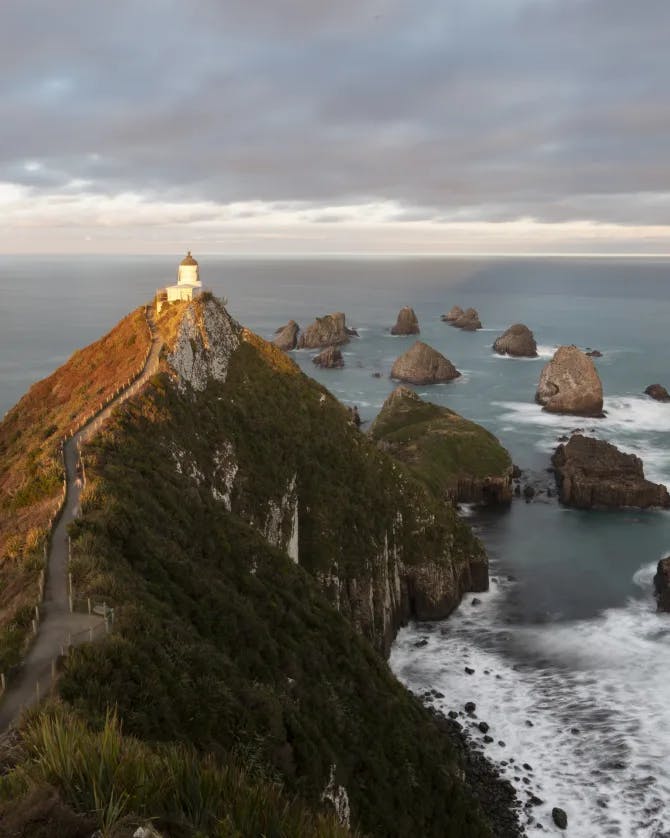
31 472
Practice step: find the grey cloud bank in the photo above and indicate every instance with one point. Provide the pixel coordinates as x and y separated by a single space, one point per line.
445 112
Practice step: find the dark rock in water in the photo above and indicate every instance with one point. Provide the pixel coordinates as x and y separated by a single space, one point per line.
476 601
376 375
488 739
563 438
591 472
453 714
593 353
286 337
351 332
574 731
483 727
470 706
518 341
329 330
529 723
420 643
662 584
469 670
560 818
330 358
516 472
658 392
527 766
535 801
501 743
422 364
528 493
570 383
468 321
517 491
407 322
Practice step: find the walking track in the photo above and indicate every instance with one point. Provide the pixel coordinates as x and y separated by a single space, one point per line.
57 623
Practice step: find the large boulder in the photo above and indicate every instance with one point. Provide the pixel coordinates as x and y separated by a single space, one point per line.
330 358
662 584
422 364
658 392
457 459
329 330
407 322
286 337
518 341
569 383
468 321
453 314
591 472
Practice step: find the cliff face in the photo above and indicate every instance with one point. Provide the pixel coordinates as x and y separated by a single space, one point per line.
254 545
292 466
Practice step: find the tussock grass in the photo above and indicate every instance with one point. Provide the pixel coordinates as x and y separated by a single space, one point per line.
111 776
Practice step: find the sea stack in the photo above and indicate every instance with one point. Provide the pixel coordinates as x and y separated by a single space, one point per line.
454 314
422 364
468 321
662 584
594 473
658 392
407 322
330 358
518 341
569 383
330 330
286 337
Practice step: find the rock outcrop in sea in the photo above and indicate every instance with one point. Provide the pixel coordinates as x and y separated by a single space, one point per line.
422 364
459 460
594 473
662 584
517 341
286 337
468 321
407 322
329 330
658 392
329 358
454 313
570 383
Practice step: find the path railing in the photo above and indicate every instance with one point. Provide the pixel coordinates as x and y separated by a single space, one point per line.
81 604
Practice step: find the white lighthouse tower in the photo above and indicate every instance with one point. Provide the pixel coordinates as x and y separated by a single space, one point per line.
188 285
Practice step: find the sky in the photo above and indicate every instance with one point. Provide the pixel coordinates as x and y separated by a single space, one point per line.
335 126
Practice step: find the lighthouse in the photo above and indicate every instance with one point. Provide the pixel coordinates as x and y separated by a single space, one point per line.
188 285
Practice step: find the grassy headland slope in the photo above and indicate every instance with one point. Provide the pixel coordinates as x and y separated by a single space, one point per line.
31 469
260 554
456 458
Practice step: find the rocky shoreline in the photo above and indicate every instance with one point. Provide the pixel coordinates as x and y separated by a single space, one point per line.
494 793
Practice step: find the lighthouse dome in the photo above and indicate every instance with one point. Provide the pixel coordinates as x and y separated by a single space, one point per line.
188 273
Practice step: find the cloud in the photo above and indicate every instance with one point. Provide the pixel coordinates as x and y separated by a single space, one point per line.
450 113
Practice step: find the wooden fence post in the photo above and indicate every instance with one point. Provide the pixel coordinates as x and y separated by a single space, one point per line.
34 627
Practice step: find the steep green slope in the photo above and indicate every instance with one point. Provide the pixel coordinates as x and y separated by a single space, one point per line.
456 458
197 493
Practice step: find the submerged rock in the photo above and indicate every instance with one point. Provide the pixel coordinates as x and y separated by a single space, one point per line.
422 364
658 392
591 472
453 314
569 383
330 358
286 337
330 330
407 322
517 341
458 459
468 321
662 584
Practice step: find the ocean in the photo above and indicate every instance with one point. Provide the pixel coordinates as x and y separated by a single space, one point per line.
571 658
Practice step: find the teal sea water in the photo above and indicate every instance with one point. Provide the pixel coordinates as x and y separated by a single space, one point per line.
568 638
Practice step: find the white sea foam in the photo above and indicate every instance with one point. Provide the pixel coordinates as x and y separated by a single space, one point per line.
595 692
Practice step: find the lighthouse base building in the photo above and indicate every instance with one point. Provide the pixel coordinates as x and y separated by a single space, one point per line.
188 285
